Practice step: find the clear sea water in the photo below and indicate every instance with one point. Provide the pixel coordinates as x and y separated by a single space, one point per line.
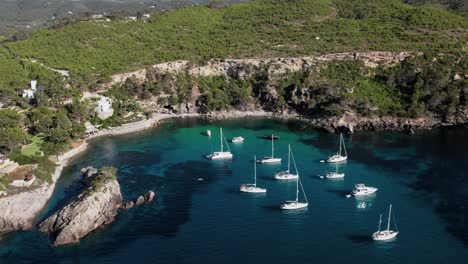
424 176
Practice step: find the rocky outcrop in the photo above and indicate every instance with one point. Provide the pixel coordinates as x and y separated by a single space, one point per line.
19 211
349 122
96 206
245 68
149 196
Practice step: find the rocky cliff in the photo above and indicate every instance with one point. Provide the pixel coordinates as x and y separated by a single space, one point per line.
244 68
19 211
96 206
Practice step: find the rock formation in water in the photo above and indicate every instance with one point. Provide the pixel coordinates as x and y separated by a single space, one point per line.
96 206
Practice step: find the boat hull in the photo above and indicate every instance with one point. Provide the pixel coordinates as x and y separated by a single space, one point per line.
270 160
336 158
220 155
334 175
293 205
252 189
362 193
285 175
237 140
384 235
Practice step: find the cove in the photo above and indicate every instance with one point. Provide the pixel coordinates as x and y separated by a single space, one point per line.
210 221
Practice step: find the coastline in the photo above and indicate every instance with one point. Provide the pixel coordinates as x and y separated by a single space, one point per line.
20 211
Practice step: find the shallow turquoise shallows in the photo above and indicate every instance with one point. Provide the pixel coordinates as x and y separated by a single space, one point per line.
201 217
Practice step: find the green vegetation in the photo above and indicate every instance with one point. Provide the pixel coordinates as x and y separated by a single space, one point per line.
97 49
105 174
425 84
34 148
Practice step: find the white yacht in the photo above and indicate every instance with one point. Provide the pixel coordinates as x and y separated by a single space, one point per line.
221 154
252 188
338 157
381 235
237 140
361 189
287 175
272 158
291 205
335 174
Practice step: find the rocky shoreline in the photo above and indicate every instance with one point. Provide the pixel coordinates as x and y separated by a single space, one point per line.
20 211
96 206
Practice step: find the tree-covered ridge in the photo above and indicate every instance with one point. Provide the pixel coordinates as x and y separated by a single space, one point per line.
263 28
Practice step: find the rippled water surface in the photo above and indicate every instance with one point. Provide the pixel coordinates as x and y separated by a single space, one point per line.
209 221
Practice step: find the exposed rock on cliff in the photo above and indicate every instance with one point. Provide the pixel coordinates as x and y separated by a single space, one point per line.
96 206
245 68
19 211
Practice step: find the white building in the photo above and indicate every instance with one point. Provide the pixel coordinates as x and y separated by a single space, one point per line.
29 93
146 16
132 18
104 108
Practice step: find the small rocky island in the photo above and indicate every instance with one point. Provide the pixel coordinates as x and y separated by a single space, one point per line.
96 206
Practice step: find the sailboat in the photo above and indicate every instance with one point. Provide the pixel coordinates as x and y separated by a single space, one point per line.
291 205
334 175
221 154
385 234
271 159
338 157
252 188
287 175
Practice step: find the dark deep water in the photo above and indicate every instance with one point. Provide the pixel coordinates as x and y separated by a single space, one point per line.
423 176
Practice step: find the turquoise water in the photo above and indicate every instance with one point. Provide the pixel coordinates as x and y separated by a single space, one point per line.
210 221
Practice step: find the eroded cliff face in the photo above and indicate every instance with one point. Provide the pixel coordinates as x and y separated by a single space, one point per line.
19 211
245 68
96 206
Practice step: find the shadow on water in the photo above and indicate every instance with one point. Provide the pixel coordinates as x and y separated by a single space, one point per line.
340 193
446 178
271 207
360 239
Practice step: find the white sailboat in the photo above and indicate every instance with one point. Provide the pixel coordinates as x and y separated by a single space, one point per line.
287 175
252 188
221 154
335 174
338 157
361 189
385 234
271 159
291 205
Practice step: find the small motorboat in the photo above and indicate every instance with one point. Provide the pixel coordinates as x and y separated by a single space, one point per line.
208 133
237 140
361 189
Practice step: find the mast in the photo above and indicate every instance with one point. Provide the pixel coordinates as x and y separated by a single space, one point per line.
297 190
221 138
380 222
289 157
341 136
344 146
389 214
255 171
272 147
